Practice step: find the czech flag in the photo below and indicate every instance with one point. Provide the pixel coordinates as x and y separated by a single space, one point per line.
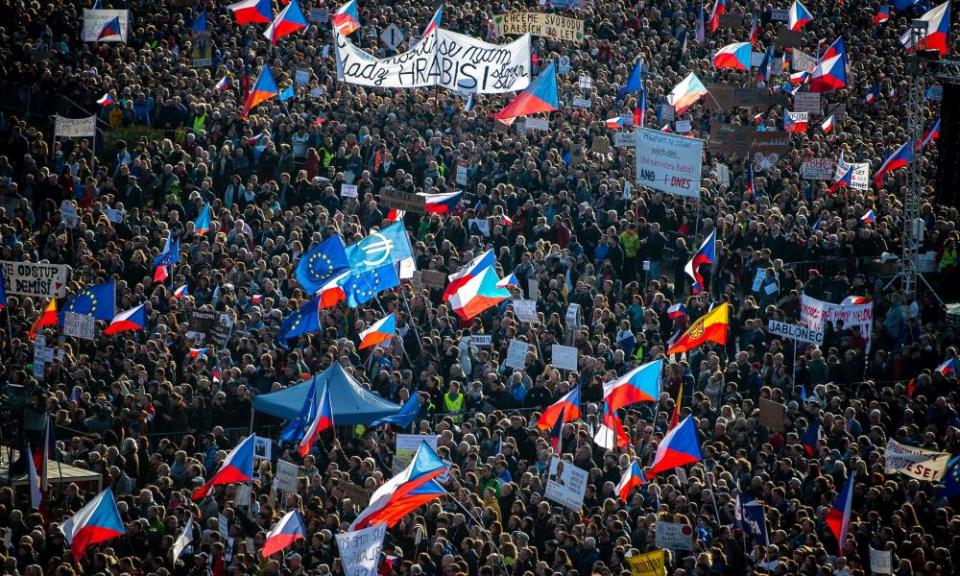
478 294
754 30
800 78
827 125
735 56
332 293
678 448
106 100
346 20
320 414
686 93
224 83
706 254
843 181
751 188
288 530
181 292
615 123
264 89
381 331
539 96
938 28
98 521
202 224
468 272
632 478
110 29
510 280
405 492
556 434
948 367
434 22
237 467
798 16
719 9
837 48
855 300
872 94
132 319
288 21
676 311
441 203
252 11
198 353
929 135
869 217
642 384
711 327
49 317
566 409
610 433
811 437
838 518
829 75
395 215
796 122
882 15
901 157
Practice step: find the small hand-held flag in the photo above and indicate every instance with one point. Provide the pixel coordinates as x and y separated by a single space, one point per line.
285 532
838 518
678 448
237 467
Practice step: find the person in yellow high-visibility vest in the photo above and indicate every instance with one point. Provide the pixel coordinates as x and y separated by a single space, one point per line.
453 402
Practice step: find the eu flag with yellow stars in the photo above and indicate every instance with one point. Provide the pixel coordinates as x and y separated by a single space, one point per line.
303 321
321 263
362 287
951 483
97 301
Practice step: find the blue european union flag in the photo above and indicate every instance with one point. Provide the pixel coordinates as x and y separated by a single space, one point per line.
951 483
321 263
295 429
405 416
303 321
97 301
363 286
200 23
387 246
171 252
634 82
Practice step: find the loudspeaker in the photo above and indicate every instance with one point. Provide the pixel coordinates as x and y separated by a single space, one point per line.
948 145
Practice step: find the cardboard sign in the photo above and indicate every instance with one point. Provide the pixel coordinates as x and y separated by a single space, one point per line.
881 561
402 200
600 144
771 414
817 169
731 141
517 354
807 102
674 536
433 278
286 478
795 332
525 310
78 325
360 550
564 357
566 484
553 26
668 162
39 280
406 448
789 38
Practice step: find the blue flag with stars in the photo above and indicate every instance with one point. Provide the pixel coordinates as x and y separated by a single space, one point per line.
321 263
97 301
951 483
303 321
362 287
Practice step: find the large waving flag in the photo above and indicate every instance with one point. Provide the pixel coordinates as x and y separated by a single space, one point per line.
632 478
362 287
405 417
264 89
843 181
321 263
48 317
734 56
444 203
320 418
539 96
237 467
285 532
900 158
798 16
610 433
97 301
706 254
110 29
288 21
642 384
128 321
882 15
388 245
434 22
98 521
938 31
711 327
838 518
202 224
686 93
473 268
634 82
719 9
829 75
331 293
304 321
929 135
678 448
381 331
478 294
346 20
566 408
405 492
252 11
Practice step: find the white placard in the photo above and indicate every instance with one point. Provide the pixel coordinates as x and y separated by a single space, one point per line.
723 173
517 354
75 127
802 62
566 484
392 36
859 179
41 280
674 536
39 355
806 102
814 313
525 310
406 448
286 479
572 317
262 448
682 126
242 496
582 103
95 21
623 139
881 561
668 162
917 463
78 325
758 280
817 169
348 190
533 288
794 332
540 124
563 64
301 77
223 525
462 177
586 83
564 357
482 340
360 550
442 59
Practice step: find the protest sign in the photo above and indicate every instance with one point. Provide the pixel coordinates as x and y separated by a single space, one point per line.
815 313
726 97
201 53
552 26
795 332
392 36
779 15
914 462
649 564
406 447
771 414
668 162
563 64
731 141
320 15
349 190
683 126
97 25
771 142
442 59
462 174
582 103
801 61
433 278
286 479
881 561
572 317
482 340
29 279
202 322
78 325
623 140
301 77
357 494
859 179
517 354
585 82
807 102
789 38
566 484
541 124
723 174
817 169
68 214
393 198
222 330
75 127
731 20
674 536
262 448
114 215
360 550
525 310
564 357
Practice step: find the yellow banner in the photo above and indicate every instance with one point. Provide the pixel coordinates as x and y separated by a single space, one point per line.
649 564
548 25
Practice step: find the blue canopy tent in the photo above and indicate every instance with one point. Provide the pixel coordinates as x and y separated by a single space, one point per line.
352 403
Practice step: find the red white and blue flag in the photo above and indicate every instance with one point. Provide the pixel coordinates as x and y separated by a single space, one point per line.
288 21
444 203
615 123
381 331
539 96
610 433
237 467
829 75
798 16
223 83
948 368
566 409
346 20
869 218
632 478
434 22
900 158
110 30
872 93
882 15
754 30
719 9
642 384
796 122
678 448
838 518
472 269
676 311
98 521
199 353
285 532
106 100
827 125
128 321
706 254
929 135
252 11
734 56
811 438
181 292
320 417
938 30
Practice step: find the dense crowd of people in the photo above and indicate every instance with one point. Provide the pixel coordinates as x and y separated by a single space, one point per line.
558 211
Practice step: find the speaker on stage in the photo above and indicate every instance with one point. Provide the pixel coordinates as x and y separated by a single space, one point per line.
948 146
